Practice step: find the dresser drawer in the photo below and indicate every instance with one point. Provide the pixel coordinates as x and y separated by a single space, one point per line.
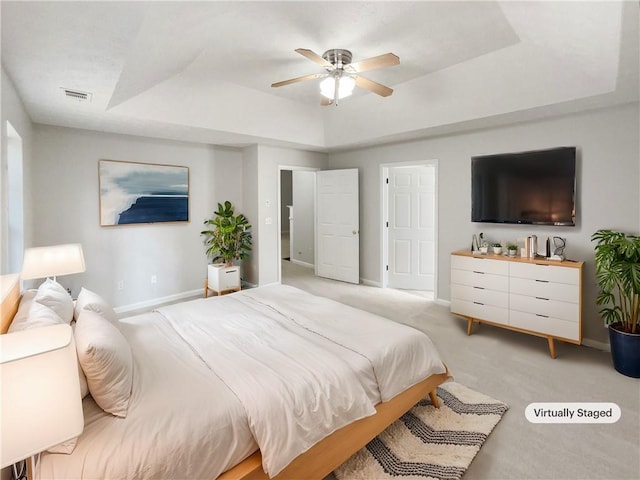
551 308
547 325
550 273
479 311
480 264
541 288
480 295
477 279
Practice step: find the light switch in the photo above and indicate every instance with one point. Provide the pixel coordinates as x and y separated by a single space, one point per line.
267 220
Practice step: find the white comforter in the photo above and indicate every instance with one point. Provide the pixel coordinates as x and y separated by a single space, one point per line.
273 367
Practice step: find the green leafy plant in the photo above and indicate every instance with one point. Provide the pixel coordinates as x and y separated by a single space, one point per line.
512 246
229 235
617 261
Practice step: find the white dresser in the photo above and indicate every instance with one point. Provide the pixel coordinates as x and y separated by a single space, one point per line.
534 296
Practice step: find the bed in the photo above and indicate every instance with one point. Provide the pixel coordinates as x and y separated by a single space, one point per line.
190 413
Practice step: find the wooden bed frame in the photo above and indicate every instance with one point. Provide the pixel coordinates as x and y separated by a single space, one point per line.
319 460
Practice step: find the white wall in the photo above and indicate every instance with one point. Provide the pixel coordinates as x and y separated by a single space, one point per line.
13 111
607 188
64 183
250 196
303 233
266 172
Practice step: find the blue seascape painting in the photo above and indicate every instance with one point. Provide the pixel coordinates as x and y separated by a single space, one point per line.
142 193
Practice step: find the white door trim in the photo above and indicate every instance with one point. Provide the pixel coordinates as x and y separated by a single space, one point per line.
384 215
279 186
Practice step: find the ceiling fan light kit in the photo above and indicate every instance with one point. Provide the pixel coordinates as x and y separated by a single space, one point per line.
345 85
341 77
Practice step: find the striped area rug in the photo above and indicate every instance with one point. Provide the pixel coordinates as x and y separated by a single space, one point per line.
429 443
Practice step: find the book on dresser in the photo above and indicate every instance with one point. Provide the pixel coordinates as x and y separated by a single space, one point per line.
530 295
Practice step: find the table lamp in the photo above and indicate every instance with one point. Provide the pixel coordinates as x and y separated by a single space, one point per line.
41 402
41 262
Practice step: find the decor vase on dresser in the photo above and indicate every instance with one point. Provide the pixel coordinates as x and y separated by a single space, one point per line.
528 295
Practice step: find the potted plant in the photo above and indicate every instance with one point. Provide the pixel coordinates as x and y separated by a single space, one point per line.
512 249
617 262
229 236
227 240
497 248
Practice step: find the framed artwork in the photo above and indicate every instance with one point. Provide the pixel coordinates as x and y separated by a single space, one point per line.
132 193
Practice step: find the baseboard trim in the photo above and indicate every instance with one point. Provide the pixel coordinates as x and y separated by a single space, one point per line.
604 346
441 301
301 263
370 283
154 302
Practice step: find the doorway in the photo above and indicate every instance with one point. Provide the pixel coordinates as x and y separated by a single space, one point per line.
296 216
409 238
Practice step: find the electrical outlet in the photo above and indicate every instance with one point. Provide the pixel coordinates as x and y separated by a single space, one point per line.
120 284
154 279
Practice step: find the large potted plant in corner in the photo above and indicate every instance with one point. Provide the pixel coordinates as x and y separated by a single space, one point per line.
227 239
617 257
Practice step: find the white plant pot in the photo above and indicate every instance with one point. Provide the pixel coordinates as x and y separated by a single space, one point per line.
497 250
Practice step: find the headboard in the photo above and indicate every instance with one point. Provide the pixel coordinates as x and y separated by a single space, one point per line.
10 289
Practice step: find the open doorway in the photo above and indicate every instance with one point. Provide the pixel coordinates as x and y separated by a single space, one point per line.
296 217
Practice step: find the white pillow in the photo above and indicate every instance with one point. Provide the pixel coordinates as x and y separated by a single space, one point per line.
84 388
87 300
23 308
107 362
54 296
39 316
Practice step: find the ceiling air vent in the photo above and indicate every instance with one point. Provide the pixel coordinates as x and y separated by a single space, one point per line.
77 95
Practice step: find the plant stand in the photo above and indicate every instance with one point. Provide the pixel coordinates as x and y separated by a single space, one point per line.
222 279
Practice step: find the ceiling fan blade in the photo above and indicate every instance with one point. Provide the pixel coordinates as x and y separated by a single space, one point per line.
386 60
298 79
375 87
314 57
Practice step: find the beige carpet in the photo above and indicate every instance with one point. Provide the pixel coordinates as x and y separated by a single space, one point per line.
428 442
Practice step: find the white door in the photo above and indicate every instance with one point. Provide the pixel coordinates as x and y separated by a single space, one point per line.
411 231
338 225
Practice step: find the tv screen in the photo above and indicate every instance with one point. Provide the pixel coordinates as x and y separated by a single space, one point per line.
536 187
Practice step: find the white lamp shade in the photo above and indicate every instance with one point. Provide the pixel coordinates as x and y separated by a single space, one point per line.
41 403
41 262
346 84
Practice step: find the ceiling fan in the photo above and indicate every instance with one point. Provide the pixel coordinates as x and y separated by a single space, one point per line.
341 75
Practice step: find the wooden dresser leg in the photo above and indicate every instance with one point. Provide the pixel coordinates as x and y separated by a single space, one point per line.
552 347
469 326
434 399
206 288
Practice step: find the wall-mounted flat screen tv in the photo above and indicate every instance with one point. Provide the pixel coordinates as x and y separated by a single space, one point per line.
536 187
